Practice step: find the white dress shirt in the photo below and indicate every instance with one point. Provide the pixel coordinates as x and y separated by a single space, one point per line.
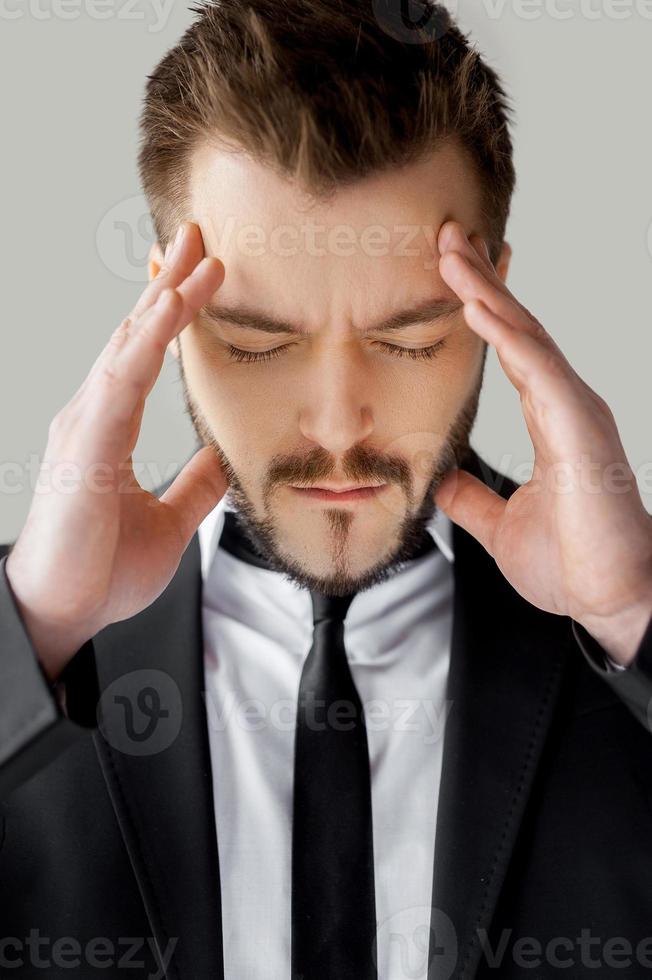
257 634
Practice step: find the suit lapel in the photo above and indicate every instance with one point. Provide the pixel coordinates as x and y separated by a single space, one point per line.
154 752
507 660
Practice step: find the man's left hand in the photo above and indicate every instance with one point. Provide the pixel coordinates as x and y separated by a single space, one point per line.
575 539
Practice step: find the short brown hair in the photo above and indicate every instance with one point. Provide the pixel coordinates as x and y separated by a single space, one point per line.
325 92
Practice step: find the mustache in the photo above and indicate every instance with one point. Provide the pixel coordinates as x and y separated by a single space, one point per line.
359 464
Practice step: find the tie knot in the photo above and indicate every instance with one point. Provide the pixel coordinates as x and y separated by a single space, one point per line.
330 607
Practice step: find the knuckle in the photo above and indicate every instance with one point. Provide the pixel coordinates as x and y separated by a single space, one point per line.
150 294
119 336
554 364
164 271
61 422
147 335
535 325
123 328
108 376
537 329
600 405
56 425
172 296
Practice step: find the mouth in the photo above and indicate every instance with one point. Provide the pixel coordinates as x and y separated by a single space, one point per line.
339 495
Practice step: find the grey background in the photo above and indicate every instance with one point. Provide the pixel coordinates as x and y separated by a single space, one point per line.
76 233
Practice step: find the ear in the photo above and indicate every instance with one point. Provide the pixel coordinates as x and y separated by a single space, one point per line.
502 265
156 259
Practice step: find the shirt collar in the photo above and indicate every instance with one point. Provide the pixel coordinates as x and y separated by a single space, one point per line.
210 530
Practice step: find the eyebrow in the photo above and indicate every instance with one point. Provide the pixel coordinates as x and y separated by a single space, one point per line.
240 316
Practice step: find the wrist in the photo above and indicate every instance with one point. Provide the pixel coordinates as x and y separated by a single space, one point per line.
620 635
55 643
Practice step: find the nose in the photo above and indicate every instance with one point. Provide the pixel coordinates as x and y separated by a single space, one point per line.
336 410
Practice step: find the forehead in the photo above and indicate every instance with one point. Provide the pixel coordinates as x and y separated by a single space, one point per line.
369 249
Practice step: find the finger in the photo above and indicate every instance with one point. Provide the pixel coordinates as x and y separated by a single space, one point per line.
469 283
200 485
182 257
138 364
108 414
453 238
481 248
563 414
533 367
144 352
116 402
471 504
470 276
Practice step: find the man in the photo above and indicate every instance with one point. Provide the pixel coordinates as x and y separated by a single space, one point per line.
378 711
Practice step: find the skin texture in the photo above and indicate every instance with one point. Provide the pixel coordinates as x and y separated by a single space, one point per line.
575 540
335 405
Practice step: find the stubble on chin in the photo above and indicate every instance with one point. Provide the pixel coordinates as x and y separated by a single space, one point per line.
263 533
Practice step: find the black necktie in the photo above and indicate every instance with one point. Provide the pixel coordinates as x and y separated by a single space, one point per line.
333 903
333 906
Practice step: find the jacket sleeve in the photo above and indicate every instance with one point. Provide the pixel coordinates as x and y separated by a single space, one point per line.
634 683
34 727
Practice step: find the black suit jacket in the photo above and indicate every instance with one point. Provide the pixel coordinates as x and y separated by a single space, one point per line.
544 827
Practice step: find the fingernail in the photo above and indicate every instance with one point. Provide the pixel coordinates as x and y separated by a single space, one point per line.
164 298
445 240
484 248
176 244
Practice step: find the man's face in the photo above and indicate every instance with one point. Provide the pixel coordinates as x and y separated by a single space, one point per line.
335 426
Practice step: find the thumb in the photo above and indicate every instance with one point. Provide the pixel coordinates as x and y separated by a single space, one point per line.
471 504
200 485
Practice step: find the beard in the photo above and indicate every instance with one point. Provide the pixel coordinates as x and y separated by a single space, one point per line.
359 464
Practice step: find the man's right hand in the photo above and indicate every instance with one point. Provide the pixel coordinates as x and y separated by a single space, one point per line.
106 550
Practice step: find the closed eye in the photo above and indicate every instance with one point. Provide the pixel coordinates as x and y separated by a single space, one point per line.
415 353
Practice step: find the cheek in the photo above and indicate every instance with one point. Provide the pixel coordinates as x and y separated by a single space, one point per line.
422 402
253 410
435 390
456 375
242 405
